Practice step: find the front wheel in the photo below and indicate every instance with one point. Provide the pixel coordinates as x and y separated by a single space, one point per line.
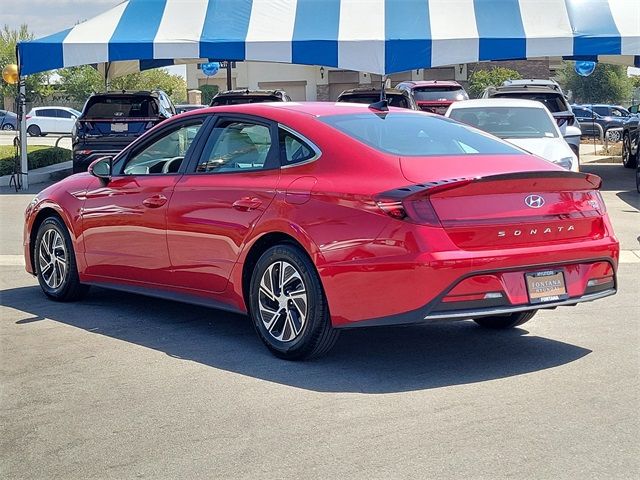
503 322
628 159
288 306
7 126
55 262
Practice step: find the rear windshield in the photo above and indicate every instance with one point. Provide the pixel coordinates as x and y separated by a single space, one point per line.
508 122
243 99
439 93
393 100
135 106
554 102
407 134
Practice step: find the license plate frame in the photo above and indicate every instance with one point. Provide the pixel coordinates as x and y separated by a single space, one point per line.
119 127
546 286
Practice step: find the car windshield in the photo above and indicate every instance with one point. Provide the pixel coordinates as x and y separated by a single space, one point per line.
553 101
426 94
134 106
224 100
508 122
407 134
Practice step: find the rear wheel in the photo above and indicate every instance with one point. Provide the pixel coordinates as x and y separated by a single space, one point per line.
55 262
613 135
34 131
7 126
628 159
288 306
503 322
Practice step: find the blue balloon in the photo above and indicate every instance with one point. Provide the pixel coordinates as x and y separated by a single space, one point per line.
584 68
210 69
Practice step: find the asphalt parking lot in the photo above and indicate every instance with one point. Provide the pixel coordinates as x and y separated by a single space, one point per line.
121 386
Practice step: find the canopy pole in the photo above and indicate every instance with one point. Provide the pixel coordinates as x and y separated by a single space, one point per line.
229 83
22 117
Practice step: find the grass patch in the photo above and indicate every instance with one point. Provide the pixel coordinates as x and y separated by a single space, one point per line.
38 156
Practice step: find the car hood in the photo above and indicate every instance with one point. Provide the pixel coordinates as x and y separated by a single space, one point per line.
551 149
431 169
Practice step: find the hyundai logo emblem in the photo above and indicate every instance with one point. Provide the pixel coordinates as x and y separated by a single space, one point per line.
534 201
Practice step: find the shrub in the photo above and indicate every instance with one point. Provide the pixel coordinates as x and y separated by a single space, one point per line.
37 156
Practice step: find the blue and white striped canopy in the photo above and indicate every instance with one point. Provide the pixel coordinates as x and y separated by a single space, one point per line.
376 36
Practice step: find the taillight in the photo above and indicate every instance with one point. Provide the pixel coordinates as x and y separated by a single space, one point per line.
412 209
27 117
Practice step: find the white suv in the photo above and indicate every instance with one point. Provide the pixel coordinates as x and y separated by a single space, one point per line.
43 120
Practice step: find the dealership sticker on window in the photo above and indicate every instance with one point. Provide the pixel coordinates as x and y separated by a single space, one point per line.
547 286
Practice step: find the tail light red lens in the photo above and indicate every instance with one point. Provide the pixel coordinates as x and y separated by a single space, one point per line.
27 117
412 209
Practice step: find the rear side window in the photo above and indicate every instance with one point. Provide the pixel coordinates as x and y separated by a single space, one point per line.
47 112
417 135
293 149
604 111
236 146
135 106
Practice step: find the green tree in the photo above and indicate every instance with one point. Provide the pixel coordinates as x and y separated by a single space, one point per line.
481 79
37 84
607 84
80 82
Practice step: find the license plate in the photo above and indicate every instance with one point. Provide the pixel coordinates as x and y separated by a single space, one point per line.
547 286
119 127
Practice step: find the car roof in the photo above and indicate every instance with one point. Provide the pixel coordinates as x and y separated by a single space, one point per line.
432 83
315 109
125 93
525 89
369 91
496 102
53 106
249 92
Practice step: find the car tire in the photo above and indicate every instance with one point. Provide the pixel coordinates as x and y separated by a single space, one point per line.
504 322
288 306
628 159
638 178
7 126
34 131
55 262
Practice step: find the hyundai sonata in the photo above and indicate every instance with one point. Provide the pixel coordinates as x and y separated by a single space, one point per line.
318 217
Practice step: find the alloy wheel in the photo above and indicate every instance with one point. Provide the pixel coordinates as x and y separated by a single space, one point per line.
53 259
283 301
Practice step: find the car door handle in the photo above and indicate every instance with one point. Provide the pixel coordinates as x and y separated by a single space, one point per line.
155 202
247 204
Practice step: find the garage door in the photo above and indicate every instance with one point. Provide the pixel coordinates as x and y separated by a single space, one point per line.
296 90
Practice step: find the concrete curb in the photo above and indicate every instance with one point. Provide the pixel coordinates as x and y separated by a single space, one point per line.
52 173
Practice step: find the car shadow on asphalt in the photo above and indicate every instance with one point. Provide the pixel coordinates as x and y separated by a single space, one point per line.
374 360
616 178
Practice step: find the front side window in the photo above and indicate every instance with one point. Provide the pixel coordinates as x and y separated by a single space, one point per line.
166 154
406 134
236 146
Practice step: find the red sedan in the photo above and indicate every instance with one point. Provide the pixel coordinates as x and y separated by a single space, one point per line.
316 217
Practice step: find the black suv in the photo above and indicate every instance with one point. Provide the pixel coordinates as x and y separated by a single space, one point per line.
111 121
631 142
395 98
237 97
590 119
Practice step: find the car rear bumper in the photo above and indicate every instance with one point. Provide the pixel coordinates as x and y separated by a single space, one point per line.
84 153
453 285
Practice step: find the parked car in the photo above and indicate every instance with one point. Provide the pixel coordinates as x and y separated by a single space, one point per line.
323 216
631 140
589 121
605 110
524 123
434 96
238 97
44 120
8 120
550 95
395 98
188 108
111 121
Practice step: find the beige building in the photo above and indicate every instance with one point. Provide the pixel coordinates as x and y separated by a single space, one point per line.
312 83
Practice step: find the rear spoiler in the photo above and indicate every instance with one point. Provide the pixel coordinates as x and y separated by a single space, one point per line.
556 180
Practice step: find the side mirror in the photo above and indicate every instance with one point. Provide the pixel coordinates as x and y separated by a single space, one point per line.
101 168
